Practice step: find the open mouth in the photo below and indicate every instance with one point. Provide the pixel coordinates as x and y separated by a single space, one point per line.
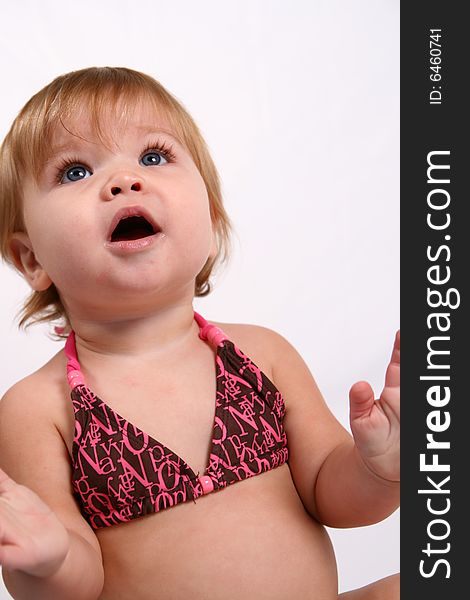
132 228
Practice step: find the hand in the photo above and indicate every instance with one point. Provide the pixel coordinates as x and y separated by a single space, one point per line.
32 538
375 424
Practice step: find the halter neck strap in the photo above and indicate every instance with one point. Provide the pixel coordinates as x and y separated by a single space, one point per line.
207 332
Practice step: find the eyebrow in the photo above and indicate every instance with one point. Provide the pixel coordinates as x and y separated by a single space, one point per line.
151 129
74 145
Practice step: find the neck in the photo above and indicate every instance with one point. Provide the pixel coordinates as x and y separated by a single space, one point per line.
158 334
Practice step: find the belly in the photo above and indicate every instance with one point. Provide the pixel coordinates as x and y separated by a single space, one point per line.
253 539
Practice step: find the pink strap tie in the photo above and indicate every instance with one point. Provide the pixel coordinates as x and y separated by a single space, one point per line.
75 378
214 335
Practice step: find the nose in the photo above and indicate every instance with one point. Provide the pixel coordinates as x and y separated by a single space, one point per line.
122 183
135 187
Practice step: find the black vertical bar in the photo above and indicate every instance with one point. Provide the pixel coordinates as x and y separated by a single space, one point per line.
435 250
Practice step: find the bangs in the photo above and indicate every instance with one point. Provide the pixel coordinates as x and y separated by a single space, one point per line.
97 94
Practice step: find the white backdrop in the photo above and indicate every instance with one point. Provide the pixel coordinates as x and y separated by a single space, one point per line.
299 103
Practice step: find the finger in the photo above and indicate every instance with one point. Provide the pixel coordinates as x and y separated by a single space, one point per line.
396 349
361 400
6 482
392 375
13 557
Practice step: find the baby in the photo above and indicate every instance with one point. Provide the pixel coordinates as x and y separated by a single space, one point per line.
160 455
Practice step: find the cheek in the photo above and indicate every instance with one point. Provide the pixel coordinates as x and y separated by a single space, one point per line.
194 206
59 242
193 225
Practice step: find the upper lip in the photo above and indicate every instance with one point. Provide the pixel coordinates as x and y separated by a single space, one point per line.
132 211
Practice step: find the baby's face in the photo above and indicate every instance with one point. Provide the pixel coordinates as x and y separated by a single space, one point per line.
116 229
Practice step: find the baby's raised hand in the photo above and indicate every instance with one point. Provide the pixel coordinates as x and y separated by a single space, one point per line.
375 424
32 538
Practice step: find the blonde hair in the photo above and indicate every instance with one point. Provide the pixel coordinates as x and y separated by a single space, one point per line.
96 89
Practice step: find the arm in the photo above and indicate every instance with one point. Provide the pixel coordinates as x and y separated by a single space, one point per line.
349 494
341 483
77 578
47 549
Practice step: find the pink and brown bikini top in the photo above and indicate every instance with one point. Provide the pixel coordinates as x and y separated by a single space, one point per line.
121 473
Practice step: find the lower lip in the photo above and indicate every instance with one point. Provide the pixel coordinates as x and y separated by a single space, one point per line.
129 246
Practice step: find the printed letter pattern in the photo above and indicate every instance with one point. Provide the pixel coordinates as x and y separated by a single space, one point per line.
121 473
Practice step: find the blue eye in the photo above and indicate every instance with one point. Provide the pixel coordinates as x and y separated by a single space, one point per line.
74 173
152 159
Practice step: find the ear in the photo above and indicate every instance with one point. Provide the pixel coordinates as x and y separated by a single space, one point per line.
24 258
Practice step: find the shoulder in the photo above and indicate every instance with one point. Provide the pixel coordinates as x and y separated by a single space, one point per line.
258 337
261 344
28 423
283 364
36 400
44 379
